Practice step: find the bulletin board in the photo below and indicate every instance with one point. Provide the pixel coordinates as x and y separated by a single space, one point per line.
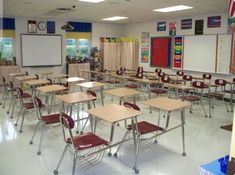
161 52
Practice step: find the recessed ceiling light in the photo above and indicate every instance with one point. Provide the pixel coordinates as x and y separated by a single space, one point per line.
173 8
114 18
92 1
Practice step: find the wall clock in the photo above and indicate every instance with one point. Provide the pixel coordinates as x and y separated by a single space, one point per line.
42 25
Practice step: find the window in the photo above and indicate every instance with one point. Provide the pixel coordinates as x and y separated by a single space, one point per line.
77 48
6 47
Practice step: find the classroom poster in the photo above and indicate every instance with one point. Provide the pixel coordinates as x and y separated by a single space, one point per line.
178 52
161 26
213 21
231 25
186 24
199 27
145 47
145 39
144 55
172 28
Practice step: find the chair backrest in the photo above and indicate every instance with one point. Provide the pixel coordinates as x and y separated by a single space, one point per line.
3 79
119 72
38 103
103 70
187 77
165 79
131 105
220 82
26 73
123 69
67 125
90 92
198 84
207 76
37 76
11 85
161 74
140 69
180 73
50 81
139 75
233 80
158 70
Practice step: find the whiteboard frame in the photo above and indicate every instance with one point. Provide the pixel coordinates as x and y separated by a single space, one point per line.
61 60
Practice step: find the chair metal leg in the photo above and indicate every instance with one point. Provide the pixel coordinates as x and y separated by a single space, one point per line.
119 146
22 122
31 141
12 110
41 139
10 104
225 105
18 117
203 108
5 99
62 157
183 137
74 162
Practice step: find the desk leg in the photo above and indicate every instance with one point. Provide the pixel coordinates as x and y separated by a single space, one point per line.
136 143
231 101
210 106
111 138
101 94
183 136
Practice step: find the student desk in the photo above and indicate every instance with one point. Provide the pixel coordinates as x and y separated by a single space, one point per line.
71 80
45 74
75 98
92 85
122 93
168 105
25 78
17 74
107 113
50 89
57 77
178 87
35 83
146 83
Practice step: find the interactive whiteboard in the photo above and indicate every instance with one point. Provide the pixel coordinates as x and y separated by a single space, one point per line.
200 53
41 50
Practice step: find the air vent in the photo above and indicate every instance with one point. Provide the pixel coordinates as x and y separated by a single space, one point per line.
57 12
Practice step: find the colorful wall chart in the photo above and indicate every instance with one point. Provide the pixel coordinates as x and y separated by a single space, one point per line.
178 52
144 55
145 47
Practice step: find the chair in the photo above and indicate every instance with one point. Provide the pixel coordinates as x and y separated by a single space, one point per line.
207 78
37 76
25 106
139 75
179 77
145 132
194 97
16 98
187 80
160 88
81 145
6 91
230 90
43 121
92 93
220 84
140 69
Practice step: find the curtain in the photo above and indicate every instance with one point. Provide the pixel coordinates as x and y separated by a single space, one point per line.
111 55
129 55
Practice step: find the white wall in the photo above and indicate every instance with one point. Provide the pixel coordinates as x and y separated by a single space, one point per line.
105 30
98 30
135 30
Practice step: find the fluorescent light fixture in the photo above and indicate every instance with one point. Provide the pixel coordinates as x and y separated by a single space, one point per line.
173 8
114 18
92 1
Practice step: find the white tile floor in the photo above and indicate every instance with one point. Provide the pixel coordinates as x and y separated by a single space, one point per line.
205 141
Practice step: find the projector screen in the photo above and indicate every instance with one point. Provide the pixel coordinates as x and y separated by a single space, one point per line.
41 50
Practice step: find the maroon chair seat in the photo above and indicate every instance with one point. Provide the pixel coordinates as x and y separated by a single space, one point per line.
190 98
146 127
132 86
214 95
158 90
50 119
29 105
87 140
